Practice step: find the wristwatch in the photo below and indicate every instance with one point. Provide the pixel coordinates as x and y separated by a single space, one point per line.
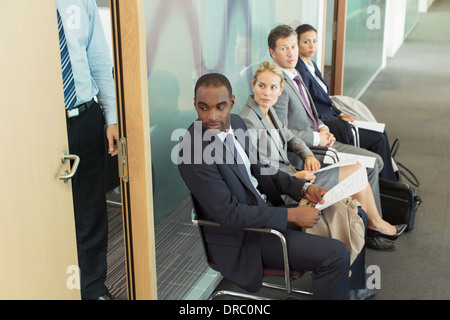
304 188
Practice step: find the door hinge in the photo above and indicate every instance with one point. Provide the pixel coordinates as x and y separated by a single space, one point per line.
123 159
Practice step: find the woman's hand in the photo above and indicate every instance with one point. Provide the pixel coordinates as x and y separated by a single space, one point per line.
312 164
346 117
305 175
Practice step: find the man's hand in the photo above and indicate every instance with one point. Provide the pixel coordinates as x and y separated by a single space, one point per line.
315 194
327 139
324 138
331 139
305 217
112 134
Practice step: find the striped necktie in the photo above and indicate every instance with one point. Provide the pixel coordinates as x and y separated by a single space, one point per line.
240 163
305 99
70 97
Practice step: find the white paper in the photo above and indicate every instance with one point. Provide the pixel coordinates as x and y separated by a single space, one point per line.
355 183
346 158
374 126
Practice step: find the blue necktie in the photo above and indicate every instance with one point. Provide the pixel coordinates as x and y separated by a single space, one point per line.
300 87
240 163
70 96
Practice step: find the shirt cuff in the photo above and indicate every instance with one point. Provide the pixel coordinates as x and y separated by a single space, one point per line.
110 117
316 139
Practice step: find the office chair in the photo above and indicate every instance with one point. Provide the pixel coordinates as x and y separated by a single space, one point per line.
329 152
285 273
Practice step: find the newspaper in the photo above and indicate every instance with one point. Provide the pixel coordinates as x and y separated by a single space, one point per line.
347 158
354 183
374 126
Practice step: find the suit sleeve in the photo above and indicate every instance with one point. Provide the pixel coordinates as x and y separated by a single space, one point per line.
282 109
252 124
297 146
214 196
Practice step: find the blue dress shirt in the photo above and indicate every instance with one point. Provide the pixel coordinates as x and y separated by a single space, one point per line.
89 54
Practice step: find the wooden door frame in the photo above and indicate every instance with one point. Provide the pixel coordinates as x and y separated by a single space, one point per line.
339 33
322 41
129 43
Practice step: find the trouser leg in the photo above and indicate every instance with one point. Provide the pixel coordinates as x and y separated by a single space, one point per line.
378 143
86 139
328 259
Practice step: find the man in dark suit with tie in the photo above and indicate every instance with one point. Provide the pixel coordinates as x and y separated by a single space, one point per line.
241 194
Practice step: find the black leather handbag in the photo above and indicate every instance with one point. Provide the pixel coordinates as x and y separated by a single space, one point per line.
399 200
403 171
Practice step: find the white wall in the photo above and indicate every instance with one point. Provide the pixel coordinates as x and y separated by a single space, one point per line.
394 32
105 17
424 5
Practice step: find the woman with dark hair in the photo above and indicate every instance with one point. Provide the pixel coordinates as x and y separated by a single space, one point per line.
333 117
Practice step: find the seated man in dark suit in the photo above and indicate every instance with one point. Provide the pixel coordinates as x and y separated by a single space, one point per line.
240 194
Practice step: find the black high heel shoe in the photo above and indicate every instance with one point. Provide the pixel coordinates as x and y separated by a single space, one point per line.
400 229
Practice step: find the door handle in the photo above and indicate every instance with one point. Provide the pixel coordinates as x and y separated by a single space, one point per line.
69 174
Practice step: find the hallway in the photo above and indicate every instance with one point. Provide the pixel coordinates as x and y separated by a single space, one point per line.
411 97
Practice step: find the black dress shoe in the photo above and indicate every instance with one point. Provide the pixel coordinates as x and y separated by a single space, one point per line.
107 296
380 243
400 229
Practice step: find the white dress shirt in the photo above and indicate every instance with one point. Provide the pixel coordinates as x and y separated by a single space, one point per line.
312 70
222 135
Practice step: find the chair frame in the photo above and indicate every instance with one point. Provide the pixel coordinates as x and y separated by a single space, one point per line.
287 273
326 152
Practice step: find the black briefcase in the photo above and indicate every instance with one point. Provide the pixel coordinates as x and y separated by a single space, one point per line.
399 202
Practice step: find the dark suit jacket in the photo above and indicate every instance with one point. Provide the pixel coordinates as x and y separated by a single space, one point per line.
224 198
324 105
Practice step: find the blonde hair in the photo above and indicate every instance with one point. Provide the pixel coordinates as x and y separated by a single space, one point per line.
272 67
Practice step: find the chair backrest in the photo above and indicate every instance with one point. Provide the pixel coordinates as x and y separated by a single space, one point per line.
196 217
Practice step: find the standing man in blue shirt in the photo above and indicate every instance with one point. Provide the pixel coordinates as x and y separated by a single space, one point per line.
92 77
